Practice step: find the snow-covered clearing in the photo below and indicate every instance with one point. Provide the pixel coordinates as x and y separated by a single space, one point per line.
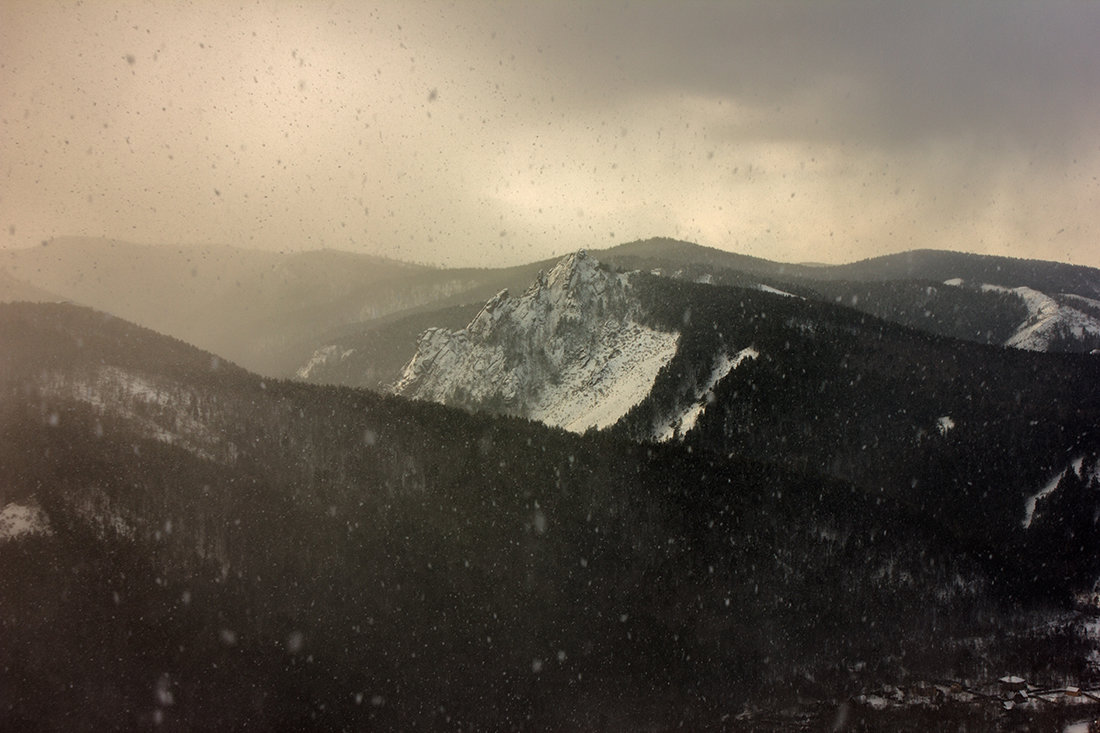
1029 505
1047 318
19 520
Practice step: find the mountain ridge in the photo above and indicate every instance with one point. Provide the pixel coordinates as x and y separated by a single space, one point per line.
271 312
980 313
921 264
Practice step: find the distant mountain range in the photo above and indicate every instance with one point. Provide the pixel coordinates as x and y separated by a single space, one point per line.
264 310
652 487
276 313
1033 305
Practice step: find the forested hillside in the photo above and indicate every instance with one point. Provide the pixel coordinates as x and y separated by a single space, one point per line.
230 551
961 432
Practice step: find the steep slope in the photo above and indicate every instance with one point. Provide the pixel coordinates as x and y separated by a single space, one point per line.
750 371
373 353
683 420
569 352
757 372
367 562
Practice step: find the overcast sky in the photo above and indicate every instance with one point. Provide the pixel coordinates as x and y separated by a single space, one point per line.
495 133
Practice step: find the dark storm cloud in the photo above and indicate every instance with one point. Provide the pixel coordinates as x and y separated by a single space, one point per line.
893 72
422 130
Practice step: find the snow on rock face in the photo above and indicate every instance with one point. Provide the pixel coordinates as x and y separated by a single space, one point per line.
569 352
601 388
20 520
681 424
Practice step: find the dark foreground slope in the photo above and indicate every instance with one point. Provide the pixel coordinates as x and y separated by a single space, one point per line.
228 552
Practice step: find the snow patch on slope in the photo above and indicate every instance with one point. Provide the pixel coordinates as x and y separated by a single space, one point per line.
1077 465
322 357
22 520
774 291
168 413
1047 319
571 351
681 424
1029 505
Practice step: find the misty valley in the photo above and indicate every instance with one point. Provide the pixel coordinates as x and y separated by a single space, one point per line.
650 487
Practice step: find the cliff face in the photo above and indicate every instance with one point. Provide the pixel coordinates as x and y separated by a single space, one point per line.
571 351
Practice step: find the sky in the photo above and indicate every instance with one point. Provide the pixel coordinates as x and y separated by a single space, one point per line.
496 133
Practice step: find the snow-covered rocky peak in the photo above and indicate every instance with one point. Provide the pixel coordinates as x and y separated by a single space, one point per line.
570 351
576 278
576 290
